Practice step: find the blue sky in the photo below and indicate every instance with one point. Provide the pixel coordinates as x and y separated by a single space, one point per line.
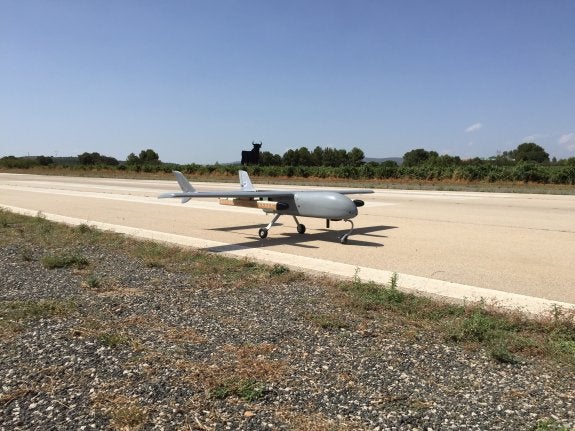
198 81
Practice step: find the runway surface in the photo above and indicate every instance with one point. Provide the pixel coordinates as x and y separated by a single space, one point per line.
516 249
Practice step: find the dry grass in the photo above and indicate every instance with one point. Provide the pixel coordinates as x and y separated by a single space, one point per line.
15 394
315 422
175 334
243 371
125 413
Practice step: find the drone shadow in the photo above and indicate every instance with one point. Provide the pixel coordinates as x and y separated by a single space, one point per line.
298 240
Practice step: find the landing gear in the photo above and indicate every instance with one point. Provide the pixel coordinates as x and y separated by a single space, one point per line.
300 227
344 238
263 232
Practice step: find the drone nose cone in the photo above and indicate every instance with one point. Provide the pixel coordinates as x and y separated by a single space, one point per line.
352 209
345 206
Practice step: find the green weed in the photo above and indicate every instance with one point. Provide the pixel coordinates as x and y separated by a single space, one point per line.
247 389
85 228
501 353
64 260
478 326
86 233
43 225
113 339
493 331
4 223
371 296
549 425
562 343
326 321
278 269
39 309
93 281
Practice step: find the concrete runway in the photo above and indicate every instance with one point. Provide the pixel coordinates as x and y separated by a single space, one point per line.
514 249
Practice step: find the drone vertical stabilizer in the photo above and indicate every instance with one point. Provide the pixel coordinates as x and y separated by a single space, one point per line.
245 182
184 185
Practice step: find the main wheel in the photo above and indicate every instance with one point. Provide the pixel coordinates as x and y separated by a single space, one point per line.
300 228
263 233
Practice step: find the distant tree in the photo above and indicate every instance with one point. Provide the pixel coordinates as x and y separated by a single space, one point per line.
317 156
109 161
18 162
329 157
341 157
149 156
323 157
420 156
290 158
530 152
355 157
132 159
504 158
304 157
474 161
96 159
389 164
88 158
333 157
416 157
146 157
445 160
45 161
269 159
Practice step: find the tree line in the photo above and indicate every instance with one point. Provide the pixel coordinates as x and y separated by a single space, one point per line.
526 152
528 162
319 156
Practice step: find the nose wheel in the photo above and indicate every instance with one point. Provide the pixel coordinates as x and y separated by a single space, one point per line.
300 227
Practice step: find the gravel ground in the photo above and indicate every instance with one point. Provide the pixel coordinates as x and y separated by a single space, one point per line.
154 349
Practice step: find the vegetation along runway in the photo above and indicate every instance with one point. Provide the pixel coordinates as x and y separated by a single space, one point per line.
515 249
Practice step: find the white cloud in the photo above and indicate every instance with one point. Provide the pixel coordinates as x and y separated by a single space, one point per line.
474 127
568 141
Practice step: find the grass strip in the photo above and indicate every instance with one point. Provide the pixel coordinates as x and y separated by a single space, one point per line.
508 336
